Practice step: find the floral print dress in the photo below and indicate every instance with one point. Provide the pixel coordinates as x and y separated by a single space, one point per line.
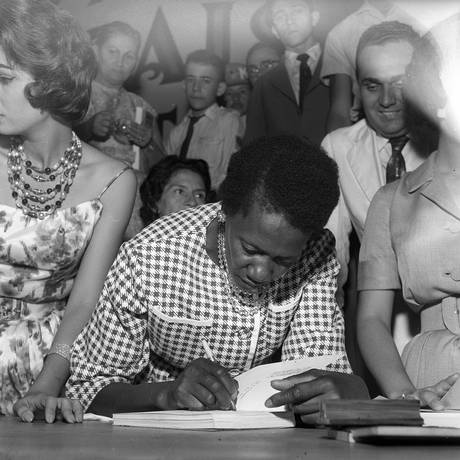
39 260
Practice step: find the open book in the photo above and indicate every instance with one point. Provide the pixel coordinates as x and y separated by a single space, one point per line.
254 389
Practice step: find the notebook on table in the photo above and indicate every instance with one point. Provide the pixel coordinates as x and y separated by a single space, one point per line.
253 390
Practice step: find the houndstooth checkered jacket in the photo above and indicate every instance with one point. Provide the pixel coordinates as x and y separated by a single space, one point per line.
164 295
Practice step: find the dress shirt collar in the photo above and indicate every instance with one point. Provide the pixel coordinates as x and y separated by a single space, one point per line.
314 52
210 112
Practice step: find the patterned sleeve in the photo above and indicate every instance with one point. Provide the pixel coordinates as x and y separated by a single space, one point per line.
317 327
113 346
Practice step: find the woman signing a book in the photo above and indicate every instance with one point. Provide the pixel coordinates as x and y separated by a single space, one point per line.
248 275
410 240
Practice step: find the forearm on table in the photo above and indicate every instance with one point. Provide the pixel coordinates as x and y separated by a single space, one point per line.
382 358
53 376
125 397
56 367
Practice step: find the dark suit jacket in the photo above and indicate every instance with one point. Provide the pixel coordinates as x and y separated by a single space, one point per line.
273 108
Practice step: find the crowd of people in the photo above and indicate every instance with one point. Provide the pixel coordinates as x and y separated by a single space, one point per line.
120 251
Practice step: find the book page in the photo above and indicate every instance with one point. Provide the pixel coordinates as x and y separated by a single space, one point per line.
254 385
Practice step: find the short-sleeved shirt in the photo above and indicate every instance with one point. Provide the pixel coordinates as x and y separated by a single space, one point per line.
214 140
164 295
342 43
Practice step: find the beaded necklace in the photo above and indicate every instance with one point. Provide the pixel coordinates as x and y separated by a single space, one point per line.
40 192
248 299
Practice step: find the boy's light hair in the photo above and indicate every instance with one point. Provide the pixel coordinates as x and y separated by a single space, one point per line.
208 58
312 4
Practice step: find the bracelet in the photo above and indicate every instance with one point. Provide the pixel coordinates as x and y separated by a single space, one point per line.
61 349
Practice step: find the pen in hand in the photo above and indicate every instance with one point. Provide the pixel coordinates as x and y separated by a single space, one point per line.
210 356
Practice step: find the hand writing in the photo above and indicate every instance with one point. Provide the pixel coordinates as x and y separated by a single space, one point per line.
202 385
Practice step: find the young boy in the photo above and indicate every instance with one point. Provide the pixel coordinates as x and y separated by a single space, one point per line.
290 98
208 131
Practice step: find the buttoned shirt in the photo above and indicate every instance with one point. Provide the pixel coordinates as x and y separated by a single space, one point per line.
293 65
342 43
214 140
164 295
361 155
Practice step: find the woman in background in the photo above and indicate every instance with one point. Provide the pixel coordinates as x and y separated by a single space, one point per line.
174 184
110 124
412 230
63 204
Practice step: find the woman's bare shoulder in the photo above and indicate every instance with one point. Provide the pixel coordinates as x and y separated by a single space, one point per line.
100 163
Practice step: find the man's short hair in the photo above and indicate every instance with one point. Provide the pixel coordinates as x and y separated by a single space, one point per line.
311 3
207 58
386 32
285 174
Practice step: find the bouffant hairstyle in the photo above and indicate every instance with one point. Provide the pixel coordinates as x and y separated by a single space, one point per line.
160 174
283 174
48 43
99 35
207 58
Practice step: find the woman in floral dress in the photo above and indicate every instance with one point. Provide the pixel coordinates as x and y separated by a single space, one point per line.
63 205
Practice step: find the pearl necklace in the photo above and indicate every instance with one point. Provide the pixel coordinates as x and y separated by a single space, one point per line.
248 299
40 192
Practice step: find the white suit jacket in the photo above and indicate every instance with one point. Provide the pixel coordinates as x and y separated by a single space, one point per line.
361 156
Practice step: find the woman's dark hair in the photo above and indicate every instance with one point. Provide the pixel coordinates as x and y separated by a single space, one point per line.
159 175
99 35
283 174
49 44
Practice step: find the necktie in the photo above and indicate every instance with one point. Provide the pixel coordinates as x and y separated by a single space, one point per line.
188 137
396 165
304 78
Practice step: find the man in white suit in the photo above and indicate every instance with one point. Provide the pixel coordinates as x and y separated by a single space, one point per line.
363 150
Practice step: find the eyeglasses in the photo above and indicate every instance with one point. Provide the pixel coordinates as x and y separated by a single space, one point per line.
262 67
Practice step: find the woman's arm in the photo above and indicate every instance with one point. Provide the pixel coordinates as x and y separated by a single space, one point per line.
101 251
376 342
203 384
